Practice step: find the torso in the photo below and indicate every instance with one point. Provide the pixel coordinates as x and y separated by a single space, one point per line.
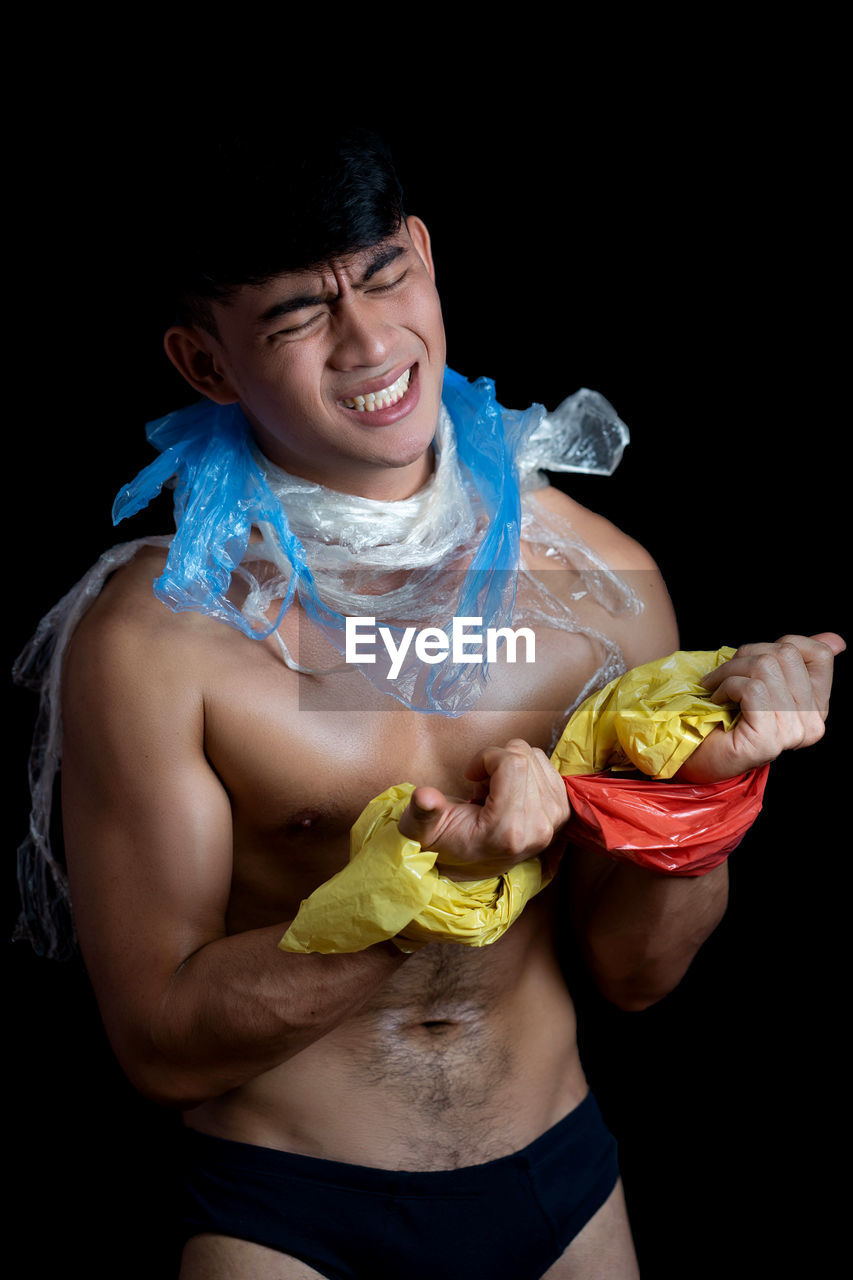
460 1034
465 1054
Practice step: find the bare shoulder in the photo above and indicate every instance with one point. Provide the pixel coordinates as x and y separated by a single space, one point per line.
129 635
133 690
126 605
616 548
653 632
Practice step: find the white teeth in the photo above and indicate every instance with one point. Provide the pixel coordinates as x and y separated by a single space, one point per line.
381 399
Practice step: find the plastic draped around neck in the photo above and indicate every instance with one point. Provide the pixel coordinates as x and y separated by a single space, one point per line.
456 543
336 552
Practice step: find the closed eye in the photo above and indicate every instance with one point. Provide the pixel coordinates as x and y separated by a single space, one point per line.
297 328
392 284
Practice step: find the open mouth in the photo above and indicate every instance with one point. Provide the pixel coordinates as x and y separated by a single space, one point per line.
382 399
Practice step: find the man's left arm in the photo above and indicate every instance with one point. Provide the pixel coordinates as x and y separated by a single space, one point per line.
639 929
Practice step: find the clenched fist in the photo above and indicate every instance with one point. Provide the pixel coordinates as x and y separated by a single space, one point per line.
782 691
518 809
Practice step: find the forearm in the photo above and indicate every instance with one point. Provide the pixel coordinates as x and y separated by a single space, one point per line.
640 930
239 1006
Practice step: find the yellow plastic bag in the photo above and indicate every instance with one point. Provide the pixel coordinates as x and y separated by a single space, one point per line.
652 718
390 887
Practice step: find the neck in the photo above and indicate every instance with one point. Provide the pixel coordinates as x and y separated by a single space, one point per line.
380 483
377 480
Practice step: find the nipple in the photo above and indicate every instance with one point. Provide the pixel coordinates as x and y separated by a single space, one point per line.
304 819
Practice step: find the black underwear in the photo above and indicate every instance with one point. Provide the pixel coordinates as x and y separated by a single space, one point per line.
508 1219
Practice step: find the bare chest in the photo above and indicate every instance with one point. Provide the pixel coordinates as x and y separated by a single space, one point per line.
300 756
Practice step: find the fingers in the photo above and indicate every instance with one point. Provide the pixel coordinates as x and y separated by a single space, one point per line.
795 673
526 801
520 806
804 662
782 692
819 654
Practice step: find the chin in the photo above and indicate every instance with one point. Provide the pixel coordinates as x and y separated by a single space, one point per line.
409 450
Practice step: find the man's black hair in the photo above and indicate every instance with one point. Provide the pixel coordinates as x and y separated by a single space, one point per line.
264 206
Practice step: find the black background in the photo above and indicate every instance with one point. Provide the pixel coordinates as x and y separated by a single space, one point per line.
675 246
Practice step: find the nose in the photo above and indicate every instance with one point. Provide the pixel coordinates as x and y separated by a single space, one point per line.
363 338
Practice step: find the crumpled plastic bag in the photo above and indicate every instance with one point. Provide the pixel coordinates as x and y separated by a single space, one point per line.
650 719
681 828
390 887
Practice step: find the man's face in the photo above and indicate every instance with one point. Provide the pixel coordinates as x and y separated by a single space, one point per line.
308 353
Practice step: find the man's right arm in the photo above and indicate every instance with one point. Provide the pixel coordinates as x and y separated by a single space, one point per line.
190 1010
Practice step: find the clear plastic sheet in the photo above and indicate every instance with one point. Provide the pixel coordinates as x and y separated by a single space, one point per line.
583 434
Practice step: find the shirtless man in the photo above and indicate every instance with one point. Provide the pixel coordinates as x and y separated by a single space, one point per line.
203 801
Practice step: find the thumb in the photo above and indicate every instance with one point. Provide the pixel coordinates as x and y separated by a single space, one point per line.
836 642
424 811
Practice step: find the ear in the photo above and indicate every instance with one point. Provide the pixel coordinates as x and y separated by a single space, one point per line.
197 356
420 239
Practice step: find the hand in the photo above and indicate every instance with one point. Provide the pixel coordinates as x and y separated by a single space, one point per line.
518 808
783 693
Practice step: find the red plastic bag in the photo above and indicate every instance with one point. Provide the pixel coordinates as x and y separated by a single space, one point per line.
680 828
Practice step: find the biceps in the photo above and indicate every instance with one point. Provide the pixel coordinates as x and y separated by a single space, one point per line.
148 843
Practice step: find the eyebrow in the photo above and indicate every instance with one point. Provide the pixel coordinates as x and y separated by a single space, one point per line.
381 258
